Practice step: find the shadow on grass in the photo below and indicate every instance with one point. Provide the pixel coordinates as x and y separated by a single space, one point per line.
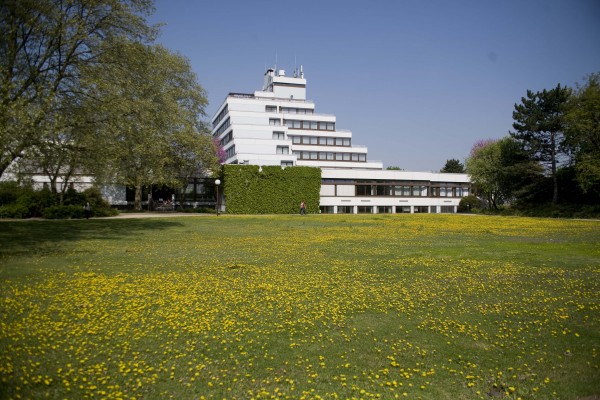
27 237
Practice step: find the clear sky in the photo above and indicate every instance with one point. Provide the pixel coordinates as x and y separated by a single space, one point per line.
416 81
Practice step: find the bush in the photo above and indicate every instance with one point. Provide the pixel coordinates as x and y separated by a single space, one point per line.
100 207
13 211
9 192
73 197
63 212
469 204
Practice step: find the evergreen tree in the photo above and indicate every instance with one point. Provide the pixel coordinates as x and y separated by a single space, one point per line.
539 124
453 166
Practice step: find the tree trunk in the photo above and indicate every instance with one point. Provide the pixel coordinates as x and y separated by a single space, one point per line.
138 197
554 177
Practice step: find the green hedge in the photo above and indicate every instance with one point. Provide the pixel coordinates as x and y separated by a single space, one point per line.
274 190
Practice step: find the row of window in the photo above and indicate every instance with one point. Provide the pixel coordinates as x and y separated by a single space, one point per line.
222 128
290 110
227 138
220 116
385 209
321 140
230 152
411 191
330 156
308 125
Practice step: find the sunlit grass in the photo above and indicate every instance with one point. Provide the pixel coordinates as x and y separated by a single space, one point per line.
329 306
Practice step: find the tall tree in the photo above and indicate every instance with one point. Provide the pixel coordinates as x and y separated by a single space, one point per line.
539 124
583 132
148 104
519 175
453 166
483 165
43 46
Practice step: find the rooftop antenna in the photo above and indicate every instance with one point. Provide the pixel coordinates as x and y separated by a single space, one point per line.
295 68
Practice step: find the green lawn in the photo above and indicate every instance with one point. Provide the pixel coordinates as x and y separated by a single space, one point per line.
320 306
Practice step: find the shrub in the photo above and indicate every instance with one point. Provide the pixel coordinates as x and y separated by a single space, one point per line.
13 211
63 212
469 204
100 207
9 192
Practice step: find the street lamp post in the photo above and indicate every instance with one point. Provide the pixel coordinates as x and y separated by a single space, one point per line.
217 183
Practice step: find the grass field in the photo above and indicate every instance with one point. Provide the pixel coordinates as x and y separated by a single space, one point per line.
314 307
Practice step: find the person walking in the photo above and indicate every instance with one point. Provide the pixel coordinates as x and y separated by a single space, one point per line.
87 210
302 208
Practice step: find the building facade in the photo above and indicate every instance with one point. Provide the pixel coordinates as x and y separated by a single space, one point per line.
279 126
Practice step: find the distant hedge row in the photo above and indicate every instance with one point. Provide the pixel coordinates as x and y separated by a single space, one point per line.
17 201
274 190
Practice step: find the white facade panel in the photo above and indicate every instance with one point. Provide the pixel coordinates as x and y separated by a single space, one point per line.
344 191
327 190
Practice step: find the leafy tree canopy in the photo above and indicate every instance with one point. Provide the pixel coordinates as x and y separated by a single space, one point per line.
44 44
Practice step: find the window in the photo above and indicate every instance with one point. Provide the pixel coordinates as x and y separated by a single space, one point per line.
287 163
345 210
222 128
354 157
313 155
421 209
278 135
271 108
230 152
330 156
283 150
346 156
402 209
296 139
346 142
227 138
314 140
362 157
326 209
363 190
384 209
274 121
313 125
365 209
330 141
447 209
220 117
330 126
339 142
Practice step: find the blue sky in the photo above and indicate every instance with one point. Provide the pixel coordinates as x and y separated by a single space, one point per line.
418 82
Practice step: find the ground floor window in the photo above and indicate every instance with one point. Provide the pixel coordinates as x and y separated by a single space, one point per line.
326 209
402 209
384 209
421 209
447 209
345 210
365 210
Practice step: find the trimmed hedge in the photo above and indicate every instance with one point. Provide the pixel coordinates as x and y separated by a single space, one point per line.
274 190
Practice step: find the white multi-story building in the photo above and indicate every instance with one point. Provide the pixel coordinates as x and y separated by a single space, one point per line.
279 126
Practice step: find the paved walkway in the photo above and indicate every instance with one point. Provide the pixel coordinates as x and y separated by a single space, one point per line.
158 215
